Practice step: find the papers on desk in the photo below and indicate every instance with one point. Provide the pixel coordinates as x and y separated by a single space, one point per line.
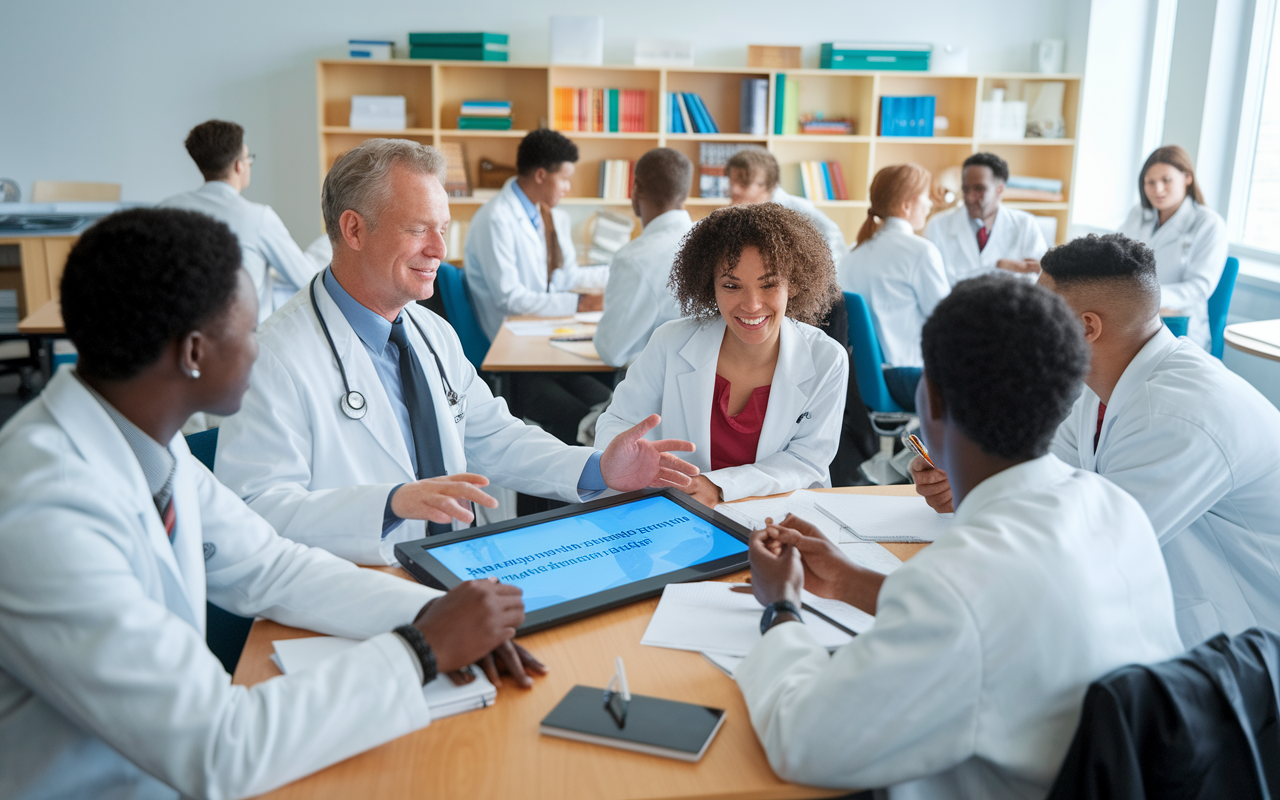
589 317
709 617
580 349
551 326
873 517
443 698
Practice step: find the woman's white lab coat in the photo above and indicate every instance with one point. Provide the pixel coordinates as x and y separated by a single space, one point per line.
506 260
675 376
107 688
970 684
901 277
1191 250
1196 445
1015 235
323 479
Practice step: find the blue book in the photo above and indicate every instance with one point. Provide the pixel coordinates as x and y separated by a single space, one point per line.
712 127
677 119
826 182
694 114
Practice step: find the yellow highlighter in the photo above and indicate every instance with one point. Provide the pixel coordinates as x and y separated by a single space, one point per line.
917 446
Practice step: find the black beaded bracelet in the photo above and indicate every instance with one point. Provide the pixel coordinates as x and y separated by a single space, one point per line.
418 643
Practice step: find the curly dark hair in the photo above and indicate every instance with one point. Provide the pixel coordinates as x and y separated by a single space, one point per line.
1126 267
1008 358
214 146
788 242
139 279
544 149
998 166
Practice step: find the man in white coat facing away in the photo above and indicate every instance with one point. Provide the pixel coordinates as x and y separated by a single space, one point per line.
1169 424
637 299
364 423
754 178
970 683
982 234
224 160
112 536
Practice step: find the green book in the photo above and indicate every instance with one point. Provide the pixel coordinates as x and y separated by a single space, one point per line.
779 104
455 39
613 111
456 53
484 123
791 110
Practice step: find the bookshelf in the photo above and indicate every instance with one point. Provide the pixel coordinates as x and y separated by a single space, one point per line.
434 91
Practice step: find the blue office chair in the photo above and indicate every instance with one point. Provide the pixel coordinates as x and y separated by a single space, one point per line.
457 306
1219 303
867 356
224 632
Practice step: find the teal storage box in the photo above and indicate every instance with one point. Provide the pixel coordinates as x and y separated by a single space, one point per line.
456 53
908 57
459 46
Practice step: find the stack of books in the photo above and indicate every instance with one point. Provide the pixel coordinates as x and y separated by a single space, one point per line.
616 175
485 115
712 182
688 114
1023 187
823 180
455 182
906 116
786 106
603 110
829 126
753 106
459 46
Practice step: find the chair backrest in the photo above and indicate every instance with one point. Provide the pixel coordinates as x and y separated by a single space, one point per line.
204 446
867 355
1219 303
452 283
64 191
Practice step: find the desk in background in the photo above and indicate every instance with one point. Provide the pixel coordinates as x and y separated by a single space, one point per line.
511 353
44 321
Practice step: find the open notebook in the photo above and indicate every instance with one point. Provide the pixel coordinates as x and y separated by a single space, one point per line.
443 698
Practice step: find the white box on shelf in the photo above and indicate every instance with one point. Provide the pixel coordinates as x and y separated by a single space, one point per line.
372 49
663 53
577 40
378 112
1003 119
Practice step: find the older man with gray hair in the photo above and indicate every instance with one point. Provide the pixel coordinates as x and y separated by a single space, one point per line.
364 415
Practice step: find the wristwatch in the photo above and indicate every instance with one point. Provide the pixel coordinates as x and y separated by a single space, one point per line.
775 608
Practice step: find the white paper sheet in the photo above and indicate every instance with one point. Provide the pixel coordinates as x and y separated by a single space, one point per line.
443 698
585 350
551 326
709 617
589 317
879 516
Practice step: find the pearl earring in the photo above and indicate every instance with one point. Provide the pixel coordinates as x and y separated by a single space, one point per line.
195 374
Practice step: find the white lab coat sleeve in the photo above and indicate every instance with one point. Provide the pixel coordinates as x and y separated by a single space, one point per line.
638 396
494 253
282 252
899 702
930 281
629 311
346 521
805 461
1204 267
1172 467
78 629
1064 444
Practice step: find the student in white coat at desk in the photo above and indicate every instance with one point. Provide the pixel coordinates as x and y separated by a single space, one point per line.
1166 422
520 259
754 178
971 682
224 160
899 274
745 377
982 234
637 299
1188 237
112 536
364 421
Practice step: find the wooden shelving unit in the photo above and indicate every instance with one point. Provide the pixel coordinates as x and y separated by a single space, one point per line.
434 91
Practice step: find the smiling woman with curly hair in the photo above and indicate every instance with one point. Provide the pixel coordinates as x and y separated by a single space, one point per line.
745 376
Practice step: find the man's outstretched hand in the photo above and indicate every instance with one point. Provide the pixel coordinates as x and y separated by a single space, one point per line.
632 462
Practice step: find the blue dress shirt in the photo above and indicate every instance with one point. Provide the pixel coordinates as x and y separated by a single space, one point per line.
530 207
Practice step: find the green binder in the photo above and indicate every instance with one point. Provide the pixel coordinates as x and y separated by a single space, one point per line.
457 39
484 123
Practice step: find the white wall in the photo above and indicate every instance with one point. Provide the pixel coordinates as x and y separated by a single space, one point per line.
106 91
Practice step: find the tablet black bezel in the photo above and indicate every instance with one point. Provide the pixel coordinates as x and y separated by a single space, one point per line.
414 556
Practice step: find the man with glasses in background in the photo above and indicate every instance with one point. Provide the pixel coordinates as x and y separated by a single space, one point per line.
273 260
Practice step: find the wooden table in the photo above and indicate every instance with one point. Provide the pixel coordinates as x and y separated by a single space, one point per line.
498 752
45 320
1255 347
511 353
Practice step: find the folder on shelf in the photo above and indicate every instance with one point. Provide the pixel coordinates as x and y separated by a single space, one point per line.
484 123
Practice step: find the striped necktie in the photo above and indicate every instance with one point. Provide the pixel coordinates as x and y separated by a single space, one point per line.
164 504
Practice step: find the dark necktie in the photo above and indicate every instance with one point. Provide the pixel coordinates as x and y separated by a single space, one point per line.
422 414
1102 410
982 238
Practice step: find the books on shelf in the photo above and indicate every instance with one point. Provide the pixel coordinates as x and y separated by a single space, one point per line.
455 181
484 123
485 115
907 116
459 46
688 114
378 112
823 180
616 175
603 110
786 109
829 126
753 106
1037 184
712 156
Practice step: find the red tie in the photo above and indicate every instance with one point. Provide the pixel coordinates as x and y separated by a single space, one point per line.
1102 409
170 519
982 238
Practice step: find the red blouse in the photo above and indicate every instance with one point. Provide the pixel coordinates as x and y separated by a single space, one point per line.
734 439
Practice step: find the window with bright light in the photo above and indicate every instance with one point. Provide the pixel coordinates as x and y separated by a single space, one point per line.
1262 211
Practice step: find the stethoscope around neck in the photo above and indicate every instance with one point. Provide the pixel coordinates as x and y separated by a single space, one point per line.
353 403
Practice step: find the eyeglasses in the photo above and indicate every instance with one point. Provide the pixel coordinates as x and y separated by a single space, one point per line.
249 158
